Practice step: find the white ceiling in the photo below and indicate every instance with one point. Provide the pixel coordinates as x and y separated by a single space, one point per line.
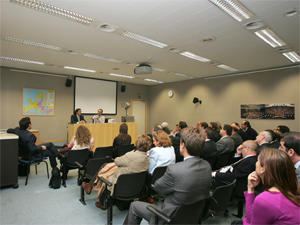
178 23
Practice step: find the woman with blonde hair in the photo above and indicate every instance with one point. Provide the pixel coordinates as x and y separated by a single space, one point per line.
163 153
280 202
82 139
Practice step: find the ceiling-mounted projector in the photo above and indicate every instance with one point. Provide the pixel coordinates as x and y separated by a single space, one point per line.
143 69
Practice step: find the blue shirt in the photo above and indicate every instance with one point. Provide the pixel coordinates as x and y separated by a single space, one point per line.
160 156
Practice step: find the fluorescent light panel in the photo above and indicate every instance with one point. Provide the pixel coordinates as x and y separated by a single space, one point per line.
156 81
158 69
143 39
183 75
80 69
234 8
53 10
32 43
293 56
268 36
194 56
22 60
120 75
227 68
102 58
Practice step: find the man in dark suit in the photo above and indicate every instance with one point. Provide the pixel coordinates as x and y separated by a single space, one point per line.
77 117
236 137
263 140
244 136
245 159
183 183
181 125
210 148
27 143
214 126
249 130
225 144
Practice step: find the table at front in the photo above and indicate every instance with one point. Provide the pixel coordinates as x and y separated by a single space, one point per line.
9 160
104 133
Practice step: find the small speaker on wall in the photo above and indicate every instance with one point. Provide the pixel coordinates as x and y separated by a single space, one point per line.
123 88
68 83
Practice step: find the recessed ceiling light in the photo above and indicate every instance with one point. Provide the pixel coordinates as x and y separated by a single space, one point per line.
183 75
53 10
254 25
73 52
293 56
156 81
143 39
291 13
227 68
208 39
194 56
174 50
80 69
269 36
22 60
108 27
120 75
102 58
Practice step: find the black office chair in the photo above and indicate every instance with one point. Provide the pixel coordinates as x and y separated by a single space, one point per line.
219 200
127 188
185 214
29 159
87 172
211 161
102 152
67 162
157 173
222 160
238 194
123 149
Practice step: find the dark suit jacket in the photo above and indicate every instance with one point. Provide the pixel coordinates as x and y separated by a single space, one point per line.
240 170
225 144
244 135
209 150
237 140
275 144
26 142
251 133
262 146
176 146
298 174
184 183
74 119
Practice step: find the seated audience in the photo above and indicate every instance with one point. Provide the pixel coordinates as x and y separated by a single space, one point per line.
82 139
183 183
132 162
202 125
225 144
244 136
99 118
163 153
123 138
214 126
249 130
27 143
182 125
210 148
283 129
274 143
279 203
156 127
77 117
244 163
236 137
175 131
263 140
165 127
290 144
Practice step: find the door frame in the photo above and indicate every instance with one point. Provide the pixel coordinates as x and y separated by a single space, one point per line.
146 108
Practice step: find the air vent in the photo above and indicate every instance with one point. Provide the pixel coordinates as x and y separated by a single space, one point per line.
108 27
254 25
207 39
283 49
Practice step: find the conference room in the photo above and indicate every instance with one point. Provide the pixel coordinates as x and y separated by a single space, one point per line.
193 49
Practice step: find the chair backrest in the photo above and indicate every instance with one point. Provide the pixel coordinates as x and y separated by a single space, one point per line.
123 149
80 156
158 173
102 152
93 165
129 186
211 161
240 187
222 160
220 199
188 214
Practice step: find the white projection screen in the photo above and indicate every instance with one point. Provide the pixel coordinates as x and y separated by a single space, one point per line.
92 94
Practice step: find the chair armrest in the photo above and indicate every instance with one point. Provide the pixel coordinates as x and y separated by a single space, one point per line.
105 181
159 213
80 165
62 155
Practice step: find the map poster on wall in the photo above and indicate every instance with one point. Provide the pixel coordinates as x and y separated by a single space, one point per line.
268 111
38 102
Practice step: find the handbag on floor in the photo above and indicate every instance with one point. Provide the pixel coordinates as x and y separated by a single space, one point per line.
55 180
